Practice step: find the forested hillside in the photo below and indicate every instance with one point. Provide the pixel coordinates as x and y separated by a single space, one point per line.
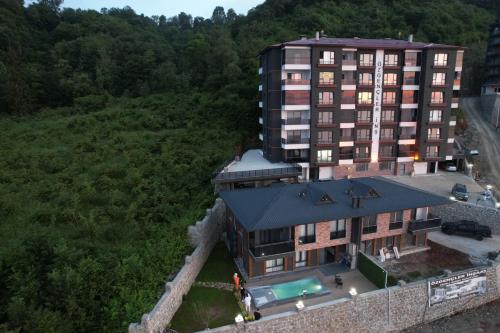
111 124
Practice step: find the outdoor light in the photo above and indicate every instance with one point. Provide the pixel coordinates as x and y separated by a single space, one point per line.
453 198
489 187
238 319
497 204
299 305
353 292
470 165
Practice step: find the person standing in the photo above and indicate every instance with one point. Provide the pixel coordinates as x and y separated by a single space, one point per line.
248 302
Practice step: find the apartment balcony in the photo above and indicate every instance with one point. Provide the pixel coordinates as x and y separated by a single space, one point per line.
395 225
346 156
362 158
433 157
363 122
365 84
348 100
387 157
455 100
441 66
322 83
435 122
434 139
295 143
295 84
326 124
325 104
437 103
295 124
303 159
438 85
326 63
363 139
387 139
266 250
406 153
349 62
348 82
249 175
431 223
407 136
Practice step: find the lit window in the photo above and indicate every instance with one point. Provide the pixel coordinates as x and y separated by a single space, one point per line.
388 115
390 60
366 59
441 59
389 97
365 79
435 116
390 79
325 137
434 133
363 134
326 97
364 116
327 57
365 97
274 265
387 133
300 258
326 77
432 151
324 155
438 79
437 97
460 59
325 118
362 152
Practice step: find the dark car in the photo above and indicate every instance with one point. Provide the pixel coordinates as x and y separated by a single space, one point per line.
459 191
466 228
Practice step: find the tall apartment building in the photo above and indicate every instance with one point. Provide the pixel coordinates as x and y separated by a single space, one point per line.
492 84
359 107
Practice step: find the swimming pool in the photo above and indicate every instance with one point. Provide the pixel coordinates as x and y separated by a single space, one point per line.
281 292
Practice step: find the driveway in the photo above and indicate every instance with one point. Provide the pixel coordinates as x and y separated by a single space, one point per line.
442 183
466 245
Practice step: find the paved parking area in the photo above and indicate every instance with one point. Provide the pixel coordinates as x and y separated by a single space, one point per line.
466 245
442 183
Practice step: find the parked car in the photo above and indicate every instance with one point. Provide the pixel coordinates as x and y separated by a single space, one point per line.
466 228
451 167
459 191
472 152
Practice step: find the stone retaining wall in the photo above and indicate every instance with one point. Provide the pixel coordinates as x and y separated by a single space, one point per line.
489 106
383 310
204 234
468 211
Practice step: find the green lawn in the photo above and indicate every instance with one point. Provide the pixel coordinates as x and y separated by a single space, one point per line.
205 308
219 266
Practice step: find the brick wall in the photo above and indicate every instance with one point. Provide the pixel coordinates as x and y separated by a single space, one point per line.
322 237
468 211
342 171
384 310
204 234
383 221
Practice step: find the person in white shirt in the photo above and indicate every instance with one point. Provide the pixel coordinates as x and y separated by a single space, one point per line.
248 302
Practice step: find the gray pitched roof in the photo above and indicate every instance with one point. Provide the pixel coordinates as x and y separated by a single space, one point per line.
283 205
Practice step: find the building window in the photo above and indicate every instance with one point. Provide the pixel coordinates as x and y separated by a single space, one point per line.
325 137
327 57
386 151
300 258
386 165
389 97
348 97
366 59
274 265
324 155
296 76
388 115
438 79
326 77
435 116
365 97
437 97
411 78
367 246
363 134
346 134
387 133
362 152
434 133
410 96
396 220
441 59
361 167
307 233
365 79
363 116
325 97
412 58
460 59
337 229
390 60
390 79
369 224
408 115
346 153
432 151
325 118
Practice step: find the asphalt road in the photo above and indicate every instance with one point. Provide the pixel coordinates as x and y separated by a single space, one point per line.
489 149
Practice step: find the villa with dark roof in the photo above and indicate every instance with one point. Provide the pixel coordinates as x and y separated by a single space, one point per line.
287 227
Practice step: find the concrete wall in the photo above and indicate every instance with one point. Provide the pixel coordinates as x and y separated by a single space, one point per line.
468 211
383 310
203 235
489 106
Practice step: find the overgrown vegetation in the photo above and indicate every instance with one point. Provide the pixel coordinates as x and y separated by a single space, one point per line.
112 122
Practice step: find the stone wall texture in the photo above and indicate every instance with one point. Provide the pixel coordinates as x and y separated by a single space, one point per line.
489 105
204 234
384 310
468 211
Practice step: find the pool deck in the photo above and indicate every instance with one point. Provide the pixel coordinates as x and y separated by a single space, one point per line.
351 279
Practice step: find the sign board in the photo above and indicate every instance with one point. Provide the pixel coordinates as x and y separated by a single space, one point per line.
457 286
377 103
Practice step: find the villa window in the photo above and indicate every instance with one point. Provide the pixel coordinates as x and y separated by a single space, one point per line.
300 258
437 97
390 79
307 233
387 165
432 151
434 133
396 220
361 167
390 60
435 116
441 59
274 265
327 57
365 79
337 229
324 156
326 77
365 97
296 76
438 79
325 97
389 97
366 59
369 224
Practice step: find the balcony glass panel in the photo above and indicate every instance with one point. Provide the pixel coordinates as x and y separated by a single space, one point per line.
297 56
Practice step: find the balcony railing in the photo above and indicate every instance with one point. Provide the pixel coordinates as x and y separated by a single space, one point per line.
405 136
297 60
326 62
407 153
273 249
348 100
455 100
408 118
307 239
456 82
326 82
294 140
337 234
295 82
346 156
295 121
302 159
411 82
252 174
395 225
348 81
349 62
431 223
370 230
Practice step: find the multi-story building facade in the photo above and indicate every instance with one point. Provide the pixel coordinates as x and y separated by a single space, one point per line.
286 227
492 84
359 107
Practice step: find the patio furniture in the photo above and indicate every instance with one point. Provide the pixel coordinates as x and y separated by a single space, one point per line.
338 281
